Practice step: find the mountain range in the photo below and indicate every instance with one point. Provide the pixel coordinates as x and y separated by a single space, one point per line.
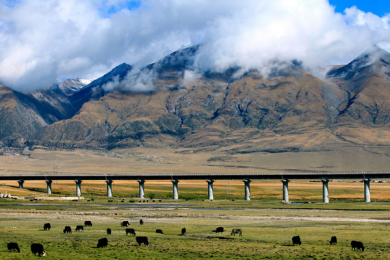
170 104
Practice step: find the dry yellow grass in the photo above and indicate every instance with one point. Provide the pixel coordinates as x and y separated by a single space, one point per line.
298 190
182 161
143 160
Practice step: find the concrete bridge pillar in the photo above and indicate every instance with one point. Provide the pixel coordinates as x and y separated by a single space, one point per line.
20 184
175 189
141 188
78 188
210 189
367 195
247 189
285 190
109 188
48 183
325 191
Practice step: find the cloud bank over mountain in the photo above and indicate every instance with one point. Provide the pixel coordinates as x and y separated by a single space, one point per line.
43 42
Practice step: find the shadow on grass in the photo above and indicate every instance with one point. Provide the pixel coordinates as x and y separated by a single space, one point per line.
227 238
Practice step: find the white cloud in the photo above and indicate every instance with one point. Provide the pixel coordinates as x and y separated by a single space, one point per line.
190 77
309 31
43 41
139 81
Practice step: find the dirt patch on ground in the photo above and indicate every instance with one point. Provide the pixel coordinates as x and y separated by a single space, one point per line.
155 218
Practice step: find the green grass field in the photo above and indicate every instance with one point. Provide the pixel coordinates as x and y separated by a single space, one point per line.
267 230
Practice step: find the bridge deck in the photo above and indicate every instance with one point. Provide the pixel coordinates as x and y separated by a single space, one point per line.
238 176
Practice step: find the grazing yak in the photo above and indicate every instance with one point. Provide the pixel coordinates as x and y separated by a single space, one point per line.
47 226
108 231
236 231
333 240
88 223
130 231
142 240
79 228
358 245
183 231
159 231
125 223
296 240
38 249
67 229
219 230
103 242
141 222
13 246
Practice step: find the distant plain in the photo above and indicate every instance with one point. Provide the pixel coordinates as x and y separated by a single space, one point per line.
182 161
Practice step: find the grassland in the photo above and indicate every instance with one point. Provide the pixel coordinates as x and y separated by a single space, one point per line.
266 232
267 224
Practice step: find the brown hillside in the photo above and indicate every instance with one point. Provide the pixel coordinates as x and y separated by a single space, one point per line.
288 111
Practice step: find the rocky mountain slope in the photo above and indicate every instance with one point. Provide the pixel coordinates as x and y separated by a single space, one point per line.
290 110
23 115
366 82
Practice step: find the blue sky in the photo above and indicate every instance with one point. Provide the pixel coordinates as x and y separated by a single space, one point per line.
108 9
378 7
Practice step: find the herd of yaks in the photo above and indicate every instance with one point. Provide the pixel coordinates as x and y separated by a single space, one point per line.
103 242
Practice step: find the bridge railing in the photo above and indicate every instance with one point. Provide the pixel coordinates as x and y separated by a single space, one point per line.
157 176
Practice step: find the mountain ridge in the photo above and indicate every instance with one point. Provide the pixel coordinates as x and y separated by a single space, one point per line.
290 110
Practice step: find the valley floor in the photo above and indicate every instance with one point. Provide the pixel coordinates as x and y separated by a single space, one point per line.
267 224
152 160
267 232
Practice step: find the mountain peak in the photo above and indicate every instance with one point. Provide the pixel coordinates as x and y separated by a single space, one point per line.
373 55
371 59
121 67
86 93
71 86
119 71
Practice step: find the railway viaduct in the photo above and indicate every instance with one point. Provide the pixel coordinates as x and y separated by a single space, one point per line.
209 178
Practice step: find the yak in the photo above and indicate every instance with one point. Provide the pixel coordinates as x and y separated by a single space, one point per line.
130 231
103 242
296 240
88 223
236 231
125 223
13 246
357 245
142 240
47 226
38 249
68 229
79 228
219 230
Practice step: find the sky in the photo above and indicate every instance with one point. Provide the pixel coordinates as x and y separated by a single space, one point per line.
47 41
377 7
